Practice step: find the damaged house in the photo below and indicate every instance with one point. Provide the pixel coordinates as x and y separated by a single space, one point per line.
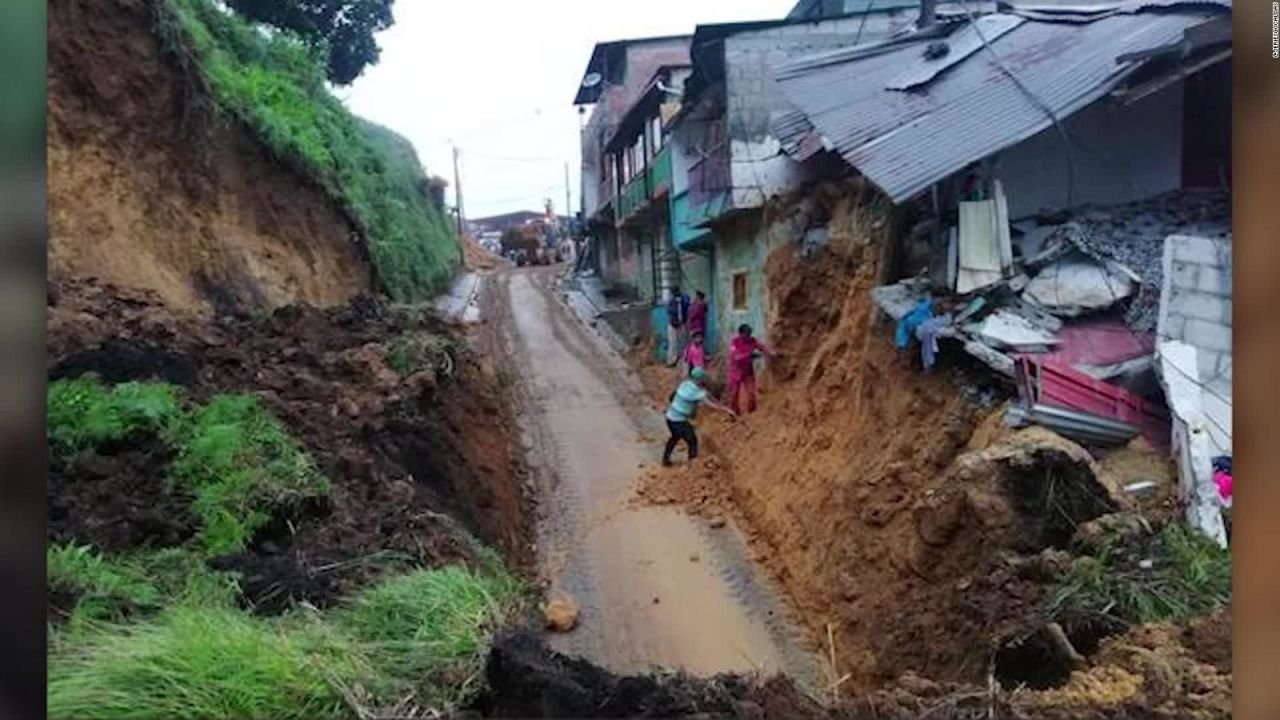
1070 166
617 74
680 158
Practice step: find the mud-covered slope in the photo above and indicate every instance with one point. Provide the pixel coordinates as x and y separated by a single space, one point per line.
903 527
149 188
412 459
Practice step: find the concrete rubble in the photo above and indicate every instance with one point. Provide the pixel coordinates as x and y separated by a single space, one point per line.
1137 296
1078 284
1133 235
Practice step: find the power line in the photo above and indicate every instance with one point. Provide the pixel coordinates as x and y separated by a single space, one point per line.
502 159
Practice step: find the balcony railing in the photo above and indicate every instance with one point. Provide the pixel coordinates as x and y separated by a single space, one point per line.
654 182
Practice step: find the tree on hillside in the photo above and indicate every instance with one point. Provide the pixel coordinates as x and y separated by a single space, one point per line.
435 189
344 28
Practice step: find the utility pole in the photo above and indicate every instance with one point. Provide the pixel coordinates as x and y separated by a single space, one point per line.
568 209
928 14
457 192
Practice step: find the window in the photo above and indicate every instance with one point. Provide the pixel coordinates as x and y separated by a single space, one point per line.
740 291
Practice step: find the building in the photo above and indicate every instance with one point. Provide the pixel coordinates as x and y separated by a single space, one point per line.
727 161
617 74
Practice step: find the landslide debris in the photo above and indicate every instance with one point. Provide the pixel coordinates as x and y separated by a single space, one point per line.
408 464
936 545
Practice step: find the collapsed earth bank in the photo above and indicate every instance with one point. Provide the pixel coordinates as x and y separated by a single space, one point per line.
912 532
405 422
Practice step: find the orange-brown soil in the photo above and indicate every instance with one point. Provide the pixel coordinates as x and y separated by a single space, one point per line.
890 503
149 189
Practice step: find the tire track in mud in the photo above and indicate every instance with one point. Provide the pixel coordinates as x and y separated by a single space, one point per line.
655 587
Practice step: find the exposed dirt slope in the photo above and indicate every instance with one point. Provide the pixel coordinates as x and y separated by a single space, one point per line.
411 459
848 482
148 189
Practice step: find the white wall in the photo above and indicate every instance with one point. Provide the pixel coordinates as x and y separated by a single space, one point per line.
759 169
1119 154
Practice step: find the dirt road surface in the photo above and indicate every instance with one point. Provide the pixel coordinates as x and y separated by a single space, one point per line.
655 587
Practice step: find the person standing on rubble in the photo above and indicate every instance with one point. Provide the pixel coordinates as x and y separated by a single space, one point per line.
680 413
743 351
677 321
695 356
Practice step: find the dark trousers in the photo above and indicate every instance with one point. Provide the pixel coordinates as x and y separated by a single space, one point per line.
681 431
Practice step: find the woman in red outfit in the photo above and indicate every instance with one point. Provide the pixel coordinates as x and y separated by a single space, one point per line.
743 351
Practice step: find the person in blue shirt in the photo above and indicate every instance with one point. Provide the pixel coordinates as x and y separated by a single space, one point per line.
684 405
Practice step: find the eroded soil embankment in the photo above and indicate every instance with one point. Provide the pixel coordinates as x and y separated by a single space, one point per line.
411 458
907 541
850 436
150 188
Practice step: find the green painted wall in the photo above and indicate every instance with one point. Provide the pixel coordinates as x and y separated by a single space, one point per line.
742 246
685 234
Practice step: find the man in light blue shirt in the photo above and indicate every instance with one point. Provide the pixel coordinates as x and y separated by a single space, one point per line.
684 406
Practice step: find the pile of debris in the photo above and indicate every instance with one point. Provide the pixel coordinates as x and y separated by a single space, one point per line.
1129 240
1070 308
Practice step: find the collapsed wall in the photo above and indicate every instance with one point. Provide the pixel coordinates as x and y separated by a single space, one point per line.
148 188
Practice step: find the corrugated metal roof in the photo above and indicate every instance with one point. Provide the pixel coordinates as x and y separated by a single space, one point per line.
905 140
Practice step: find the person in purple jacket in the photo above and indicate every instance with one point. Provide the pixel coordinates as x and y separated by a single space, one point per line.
698 314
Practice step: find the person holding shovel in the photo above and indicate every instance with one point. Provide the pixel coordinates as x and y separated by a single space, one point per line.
684 405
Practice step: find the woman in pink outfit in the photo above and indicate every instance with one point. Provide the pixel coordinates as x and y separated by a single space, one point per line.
695 356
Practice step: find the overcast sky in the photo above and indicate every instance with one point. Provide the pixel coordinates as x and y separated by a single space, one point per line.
498 79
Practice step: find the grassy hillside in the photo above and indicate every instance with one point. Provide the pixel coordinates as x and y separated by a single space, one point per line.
272 83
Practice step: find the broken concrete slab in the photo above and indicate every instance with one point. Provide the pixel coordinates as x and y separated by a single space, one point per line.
1077 284
994 359
898 299
1006 330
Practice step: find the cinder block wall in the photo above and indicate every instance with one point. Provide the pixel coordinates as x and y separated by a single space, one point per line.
1196 309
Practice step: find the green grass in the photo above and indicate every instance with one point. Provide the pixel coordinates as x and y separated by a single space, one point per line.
276 86
190 663
428 624
235 457
422 635
1189 576
241 465
418 351
84 414
114 588
105 589
183 578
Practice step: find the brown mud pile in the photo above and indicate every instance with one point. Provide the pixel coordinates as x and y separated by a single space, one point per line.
1158 671
476 257
149 189
888 502
412 460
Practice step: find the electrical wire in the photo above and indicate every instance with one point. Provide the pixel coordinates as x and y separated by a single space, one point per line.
863 22
1035 100
504 159
1209 390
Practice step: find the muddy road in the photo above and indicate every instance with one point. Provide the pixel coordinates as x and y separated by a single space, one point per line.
655 587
